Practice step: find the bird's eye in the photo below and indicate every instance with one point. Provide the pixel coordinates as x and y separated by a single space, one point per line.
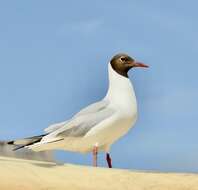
123 58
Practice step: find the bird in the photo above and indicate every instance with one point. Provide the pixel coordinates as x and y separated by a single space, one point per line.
98 126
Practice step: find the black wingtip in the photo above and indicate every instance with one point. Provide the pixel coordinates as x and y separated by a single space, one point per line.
10 142
18 148
33 140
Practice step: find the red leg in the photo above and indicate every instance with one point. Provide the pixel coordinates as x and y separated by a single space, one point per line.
95 153
108 158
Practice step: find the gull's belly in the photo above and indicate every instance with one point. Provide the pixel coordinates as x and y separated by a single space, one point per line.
109 131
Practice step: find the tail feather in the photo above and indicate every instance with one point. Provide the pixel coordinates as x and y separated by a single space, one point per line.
21 143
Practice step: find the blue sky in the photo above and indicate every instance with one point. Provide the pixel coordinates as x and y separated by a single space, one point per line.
53 62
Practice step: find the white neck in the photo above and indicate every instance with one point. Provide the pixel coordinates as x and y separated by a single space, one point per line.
120 89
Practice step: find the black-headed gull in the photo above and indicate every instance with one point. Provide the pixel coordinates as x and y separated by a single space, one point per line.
96 127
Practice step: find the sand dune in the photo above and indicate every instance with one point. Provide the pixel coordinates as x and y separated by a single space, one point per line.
19 174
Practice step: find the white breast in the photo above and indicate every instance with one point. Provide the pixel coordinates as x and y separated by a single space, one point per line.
121 93
122 99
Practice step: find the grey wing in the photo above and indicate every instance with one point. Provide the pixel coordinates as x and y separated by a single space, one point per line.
88 110
55 126
84 121
93 108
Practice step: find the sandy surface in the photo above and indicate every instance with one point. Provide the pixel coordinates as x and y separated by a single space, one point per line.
18 174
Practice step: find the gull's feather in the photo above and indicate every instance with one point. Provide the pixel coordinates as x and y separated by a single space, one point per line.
93 108
84 121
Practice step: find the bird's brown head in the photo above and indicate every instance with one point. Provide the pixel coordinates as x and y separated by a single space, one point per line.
122 63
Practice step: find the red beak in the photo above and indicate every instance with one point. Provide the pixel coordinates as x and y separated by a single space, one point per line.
138 64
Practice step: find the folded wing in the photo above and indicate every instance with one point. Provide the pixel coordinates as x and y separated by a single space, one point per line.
83 121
